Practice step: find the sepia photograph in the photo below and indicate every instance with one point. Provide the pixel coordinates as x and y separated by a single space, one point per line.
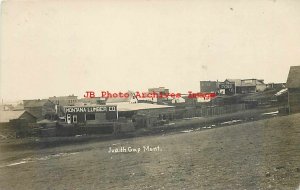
150 95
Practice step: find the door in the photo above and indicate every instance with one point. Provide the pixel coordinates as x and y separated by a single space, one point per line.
74 118
69 118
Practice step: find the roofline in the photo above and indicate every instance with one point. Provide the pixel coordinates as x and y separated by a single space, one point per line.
29 114
292 68
146 109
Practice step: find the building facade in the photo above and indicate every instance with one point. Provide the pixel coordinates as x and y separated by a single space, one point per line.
40 109
293 85
227 87
70 100
7 116
209 86
159 90
145 114
90 114
245 86
92 101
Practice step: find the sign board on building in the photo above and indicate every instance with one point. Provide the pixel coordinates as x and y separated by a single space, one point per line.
90 109
81 114
226 86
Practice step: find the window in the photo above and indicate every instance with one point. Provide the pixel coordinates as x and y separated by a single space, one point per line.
90 117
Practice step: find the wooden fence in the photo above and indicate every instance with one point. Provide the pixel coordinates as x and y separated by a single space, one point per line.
208 111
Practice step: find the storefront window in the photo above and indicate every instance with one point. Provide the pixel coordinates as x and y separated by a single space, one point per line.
90 117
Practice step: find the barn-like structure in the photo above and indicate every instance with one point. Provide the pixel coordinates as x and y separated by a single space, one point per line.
293 85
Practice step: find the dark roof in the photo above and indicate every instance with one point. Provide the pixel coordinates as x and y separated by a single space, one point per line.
5 116
293 80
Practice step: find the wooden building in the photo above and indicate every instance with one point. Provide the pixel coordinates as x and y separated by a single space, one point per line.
8 116
245 86
61 101
293 85
92 101
41 108
145 115
130 99
159 90
227 87
96 114
15 123
209 86
70 100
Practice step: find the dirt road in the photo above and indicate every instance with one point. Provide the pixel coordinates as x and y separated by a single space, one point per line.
262 154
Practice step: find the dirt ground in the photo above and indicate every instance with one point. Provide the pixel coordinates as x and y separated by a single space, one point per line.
262 154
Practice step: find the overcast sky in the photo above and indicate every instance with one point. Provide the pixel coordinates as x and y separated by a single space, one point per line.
67 47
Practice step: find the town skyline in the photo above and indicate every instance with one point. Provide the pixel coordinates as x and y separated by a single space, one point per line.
50 48
142 94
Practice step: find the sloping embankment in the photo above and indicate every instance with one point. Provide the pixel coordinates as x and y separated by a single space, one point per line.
200 123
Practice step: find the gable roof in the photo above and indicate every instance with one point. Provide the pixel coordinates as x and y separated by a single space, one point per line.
121 99
5 116
293 80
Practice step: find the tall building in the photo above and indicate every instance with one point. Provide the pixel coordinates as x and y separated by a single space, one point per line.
209 86
70 100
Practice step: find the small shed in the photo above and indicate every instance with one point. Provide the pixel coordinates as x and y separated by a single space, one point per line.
293 85
7 116
15 123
